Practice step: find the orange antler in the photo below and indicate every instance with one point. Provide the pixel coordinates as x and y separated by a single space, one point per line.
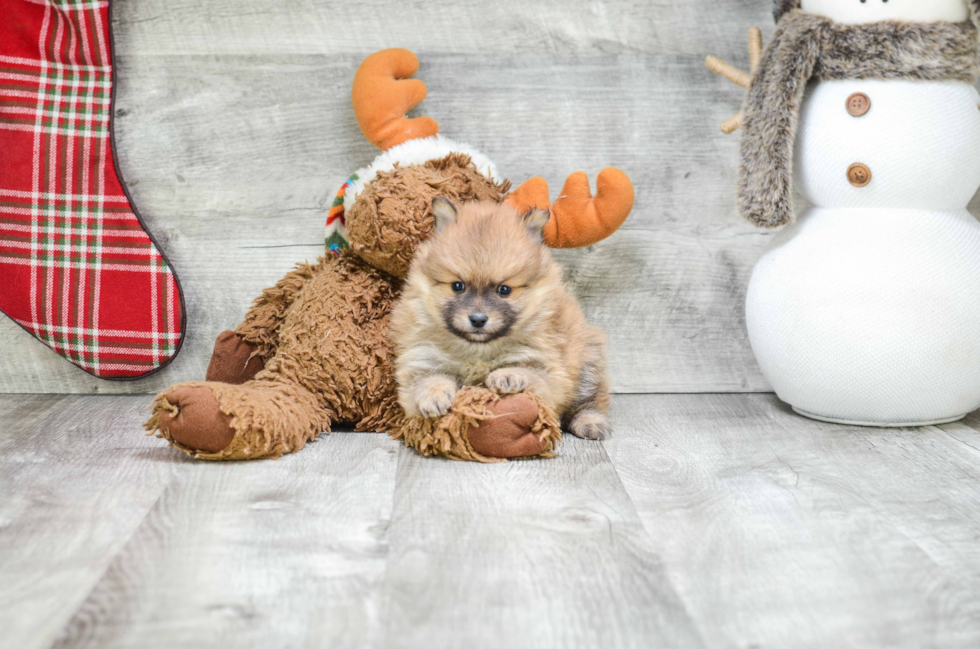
383 92
577 218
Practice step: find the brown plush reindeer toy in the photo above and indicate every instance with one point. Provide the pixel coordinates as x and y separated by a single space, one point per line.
314 350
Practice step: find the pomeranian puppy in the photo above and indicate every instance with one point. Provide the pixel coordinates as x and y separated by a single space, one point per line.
484 303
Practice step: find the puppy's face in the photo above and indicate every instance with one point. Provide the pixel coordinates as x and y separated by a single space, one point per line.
481 311
485 270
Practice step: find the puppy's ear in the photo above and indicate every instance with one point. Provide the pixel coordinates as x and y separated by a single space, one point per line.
535 220
445 213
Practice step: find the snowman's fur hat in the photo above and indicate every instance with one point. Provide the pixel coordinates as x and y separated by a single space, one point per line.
807 46
782 6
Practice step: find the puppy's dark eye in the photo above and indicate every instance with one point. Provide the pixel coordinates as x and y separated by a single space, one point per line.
458 287
503 290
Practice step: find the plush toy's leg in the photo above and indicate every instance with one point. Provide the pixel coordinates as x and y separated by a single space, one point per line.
217 421
332 363
484 427
241 354
234 360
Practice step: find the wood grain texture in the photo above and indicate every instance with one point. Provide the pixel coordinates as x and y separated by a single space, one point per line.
708 520
235 129
77 478
526 554
313 550
441 26
781 531
287 553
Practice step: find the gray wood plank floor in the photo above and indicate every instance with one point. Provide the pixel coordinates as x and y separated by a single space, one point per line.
707 521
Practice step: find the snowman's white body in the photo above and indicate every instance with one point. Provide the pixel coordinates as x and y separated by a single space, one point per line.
867 309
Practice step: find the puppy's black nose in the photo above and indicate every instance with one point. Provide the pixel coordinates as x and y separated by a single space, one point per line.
478 319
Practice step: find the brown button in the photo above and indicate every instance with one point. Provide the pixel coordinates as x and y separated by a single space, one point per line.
858 104
858 174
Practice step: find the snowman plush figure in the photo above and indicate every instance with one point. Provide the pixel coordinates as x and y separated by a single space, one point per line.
866 308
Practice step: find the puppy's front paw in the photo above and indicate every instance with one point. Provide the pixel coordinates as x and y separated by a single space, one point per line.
590 424
436 400
508 381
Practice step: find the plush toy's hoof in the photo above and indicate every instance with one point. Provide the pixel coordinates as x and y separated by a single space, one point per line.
509 433
485 427
194 421
232 360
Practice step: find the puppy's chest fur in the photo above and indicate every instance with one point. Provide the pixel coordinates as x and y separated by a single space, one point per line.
550 348
473 369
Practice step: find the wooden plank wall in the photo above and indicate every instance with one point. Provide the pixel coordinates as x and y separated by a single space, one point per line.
235 130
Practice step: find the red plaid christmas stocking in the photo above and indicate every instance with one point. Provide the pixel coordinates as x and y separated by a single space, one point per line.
77 268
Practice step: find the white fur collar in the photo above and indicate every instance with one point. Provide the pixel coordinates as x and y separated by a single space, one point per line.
416 152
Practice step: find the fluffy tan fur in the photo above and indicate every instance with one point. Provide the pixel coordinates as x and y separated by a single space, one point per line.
321 335
535 337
